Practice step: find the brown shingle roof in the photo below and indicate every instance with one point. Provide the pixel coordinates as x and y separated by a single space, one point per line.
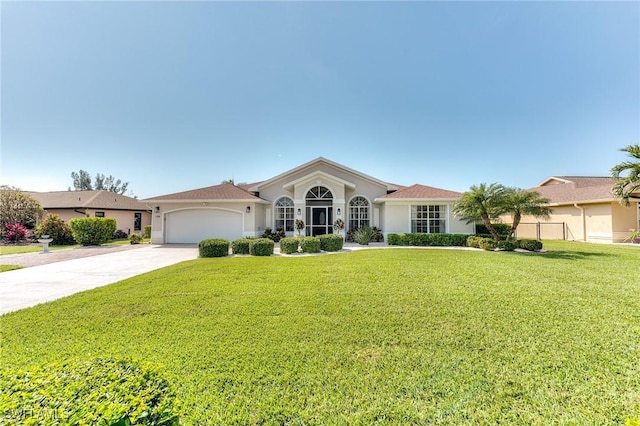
99 199
575 189
225 191
418 191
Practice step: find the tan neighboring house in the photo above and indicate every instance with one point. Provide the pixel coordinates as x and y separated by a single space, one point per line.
584 209
318 193
131 214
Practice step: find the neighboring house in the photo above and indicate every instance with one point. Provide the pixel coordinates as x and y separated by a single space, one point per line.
584 209
318 193
131 214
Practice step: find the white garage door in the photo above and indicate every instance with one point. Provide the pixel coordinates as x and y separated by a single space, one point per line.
193 226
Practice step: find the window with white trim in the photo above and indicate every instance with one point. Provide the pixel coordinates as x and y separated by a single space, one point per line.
284 214
358 212
429 219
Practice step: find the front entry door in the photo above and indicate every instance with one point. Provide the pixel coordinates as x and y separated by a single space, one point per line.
320 220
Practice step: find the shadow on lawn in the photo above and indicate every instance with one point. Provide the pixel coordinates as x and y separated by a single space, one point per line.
572 254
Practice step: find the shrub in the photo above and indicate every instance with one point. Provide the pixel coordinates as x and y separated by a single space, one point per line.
473 241
240 246
213 247
487 243
275 236
261 247
55 228
377 236
397 239
502 229
135 238
508 245
363 235
331 242
120 235
310 245
289 245
531 245
92 230
100 391
147 231
14 232
447 240
417 239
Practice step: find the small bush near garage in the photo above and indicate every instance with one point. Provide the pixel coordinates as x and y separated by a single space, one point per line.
397 239
275 236
213 247
331 242
310 245
100 391
55 228
147 232
135 238
120 235
289 245
261 247
240 246
92 231
531 245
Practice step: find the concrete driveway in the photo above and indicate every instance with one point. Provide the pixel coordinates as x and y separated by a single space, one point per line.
31 286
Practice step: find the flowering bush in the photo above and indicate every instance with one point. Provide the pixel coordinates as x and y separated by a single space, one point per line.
299 225
338 225
14 232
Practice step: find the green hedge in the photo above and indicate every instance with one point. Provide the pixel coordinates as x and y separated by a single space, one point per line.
508 245
531 245
397 239
428 240
240 246
92 231
487 243
261 247
213 247
147 231
331 242
310 245
100 391
289 245
502 229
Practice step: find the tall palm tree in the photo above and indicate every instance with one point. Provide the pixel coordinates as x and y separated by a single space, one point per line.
629 184
482 202
520 202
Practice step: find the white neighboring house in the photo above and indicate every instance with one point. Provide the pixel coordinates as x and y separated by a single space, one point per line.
318 193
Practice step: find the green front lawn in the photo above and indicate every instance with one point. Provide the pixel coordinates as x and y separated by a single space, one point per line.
389 336
33 248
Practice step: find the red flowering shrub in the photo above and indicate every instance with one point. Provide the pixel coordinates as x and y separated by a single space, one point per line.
14 232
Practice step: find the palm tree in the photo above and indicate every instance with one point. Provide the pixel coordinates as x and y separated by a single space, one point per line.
625 186
520 202
483 202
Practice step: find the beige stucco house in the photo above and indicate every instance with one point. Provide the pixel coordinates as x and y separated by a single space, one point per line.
318 193
131 214
584 209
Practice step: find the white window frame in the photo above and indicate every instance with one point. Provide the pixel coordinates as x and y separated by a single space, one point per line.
284 215
359 221
425 216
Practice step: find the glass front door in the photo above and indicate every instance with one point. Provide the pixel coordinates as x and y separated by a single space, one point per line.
320 220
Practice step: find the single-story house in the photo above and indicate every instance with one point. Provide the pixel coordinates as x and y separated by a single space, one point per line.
318 193
131 214
584 209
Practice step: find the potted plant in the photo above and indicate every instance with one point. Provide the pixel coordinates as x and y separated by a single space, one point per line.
338 226
634 237
298 225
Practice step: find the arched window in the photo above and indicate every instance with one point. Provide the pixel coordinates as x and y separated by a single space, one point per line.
358 212
319 195
284 214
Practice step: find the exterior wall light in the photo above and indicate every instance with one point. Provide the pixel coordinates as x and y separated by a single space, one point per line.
248 210
339 211
299 212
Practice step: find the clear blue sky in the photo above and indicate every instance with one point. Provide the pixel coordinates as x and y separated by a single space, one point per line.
172 96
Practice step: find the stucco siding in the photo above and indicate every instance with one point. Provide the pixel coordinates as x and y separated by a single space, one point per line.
625 218
125 218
